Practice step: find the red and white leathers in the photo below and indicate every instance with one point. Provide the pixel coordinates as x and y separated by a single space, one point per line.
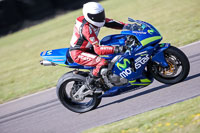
84 37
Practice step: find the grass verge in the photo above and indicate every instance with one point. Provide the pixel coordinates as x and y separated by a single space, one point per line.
182 117
20 72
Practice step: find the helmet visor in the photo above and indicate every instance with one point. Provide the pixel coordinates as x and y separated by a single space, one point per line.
100 17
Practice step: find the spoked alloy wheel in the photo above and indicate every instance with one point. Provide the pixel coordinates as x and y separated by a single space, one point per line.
177 70
66 94
174 68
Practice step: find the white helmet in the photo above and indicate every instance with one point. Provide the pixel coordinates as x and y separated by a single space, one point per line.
94 13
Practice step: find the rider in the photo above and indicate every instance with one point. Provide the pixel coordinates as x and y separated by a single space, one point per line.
85 37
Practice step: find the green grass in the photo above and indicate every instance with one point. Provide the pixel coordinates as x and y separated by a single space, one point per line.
182 117
20 72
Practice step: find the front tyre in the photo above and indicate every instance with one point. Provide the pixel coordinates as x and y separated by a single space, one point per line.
67 86
178 68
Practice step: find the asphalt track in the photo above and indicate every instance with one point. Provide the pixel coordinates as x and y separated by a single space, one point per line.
43 113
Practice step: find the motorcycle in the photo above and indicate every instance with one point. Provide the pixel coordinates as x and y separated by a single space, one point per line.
144 60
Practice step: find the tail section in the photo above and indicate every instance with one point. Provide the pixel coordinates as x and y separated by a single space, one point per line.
55 57
60 57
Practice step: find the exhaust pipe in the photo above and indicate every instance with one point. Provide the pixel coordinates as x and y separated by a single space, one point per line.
47 63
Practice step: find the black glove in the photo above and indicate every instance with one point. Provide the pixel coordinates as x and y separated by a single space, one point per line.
120 49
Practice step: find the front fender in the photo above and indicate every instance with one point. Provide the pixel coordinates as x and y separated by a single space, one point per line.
158 55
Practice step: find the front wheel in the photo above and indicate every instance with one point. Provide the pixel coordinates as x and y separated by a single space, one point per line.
67 86
178 68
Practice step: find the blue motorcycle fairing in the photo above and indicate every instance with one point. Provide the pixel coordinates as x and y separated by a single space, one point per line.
131 66
60 57
116 90
159 54
136 79
113 40
144 32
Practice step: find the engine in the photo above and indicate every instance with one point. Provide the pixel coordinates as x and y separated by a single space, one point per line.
117 80
113 79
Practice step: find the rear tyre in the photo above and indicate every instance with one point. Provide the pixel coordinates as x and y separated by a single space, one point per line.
68 85
178 68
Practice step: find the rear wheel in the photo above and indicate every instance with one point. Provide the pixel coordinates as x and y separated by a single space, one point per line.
177 70
66 89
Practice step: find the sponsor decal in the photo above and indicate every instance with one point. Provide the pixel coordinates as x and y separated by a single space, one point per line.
98 59
89 55
84 58
124 65
143 52
106 48
150 31
139 32
49 52
44 53
126 72
141 60
92 39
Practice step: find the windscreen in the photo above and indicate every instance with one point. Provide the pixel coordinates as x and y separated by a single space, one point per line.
134 27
